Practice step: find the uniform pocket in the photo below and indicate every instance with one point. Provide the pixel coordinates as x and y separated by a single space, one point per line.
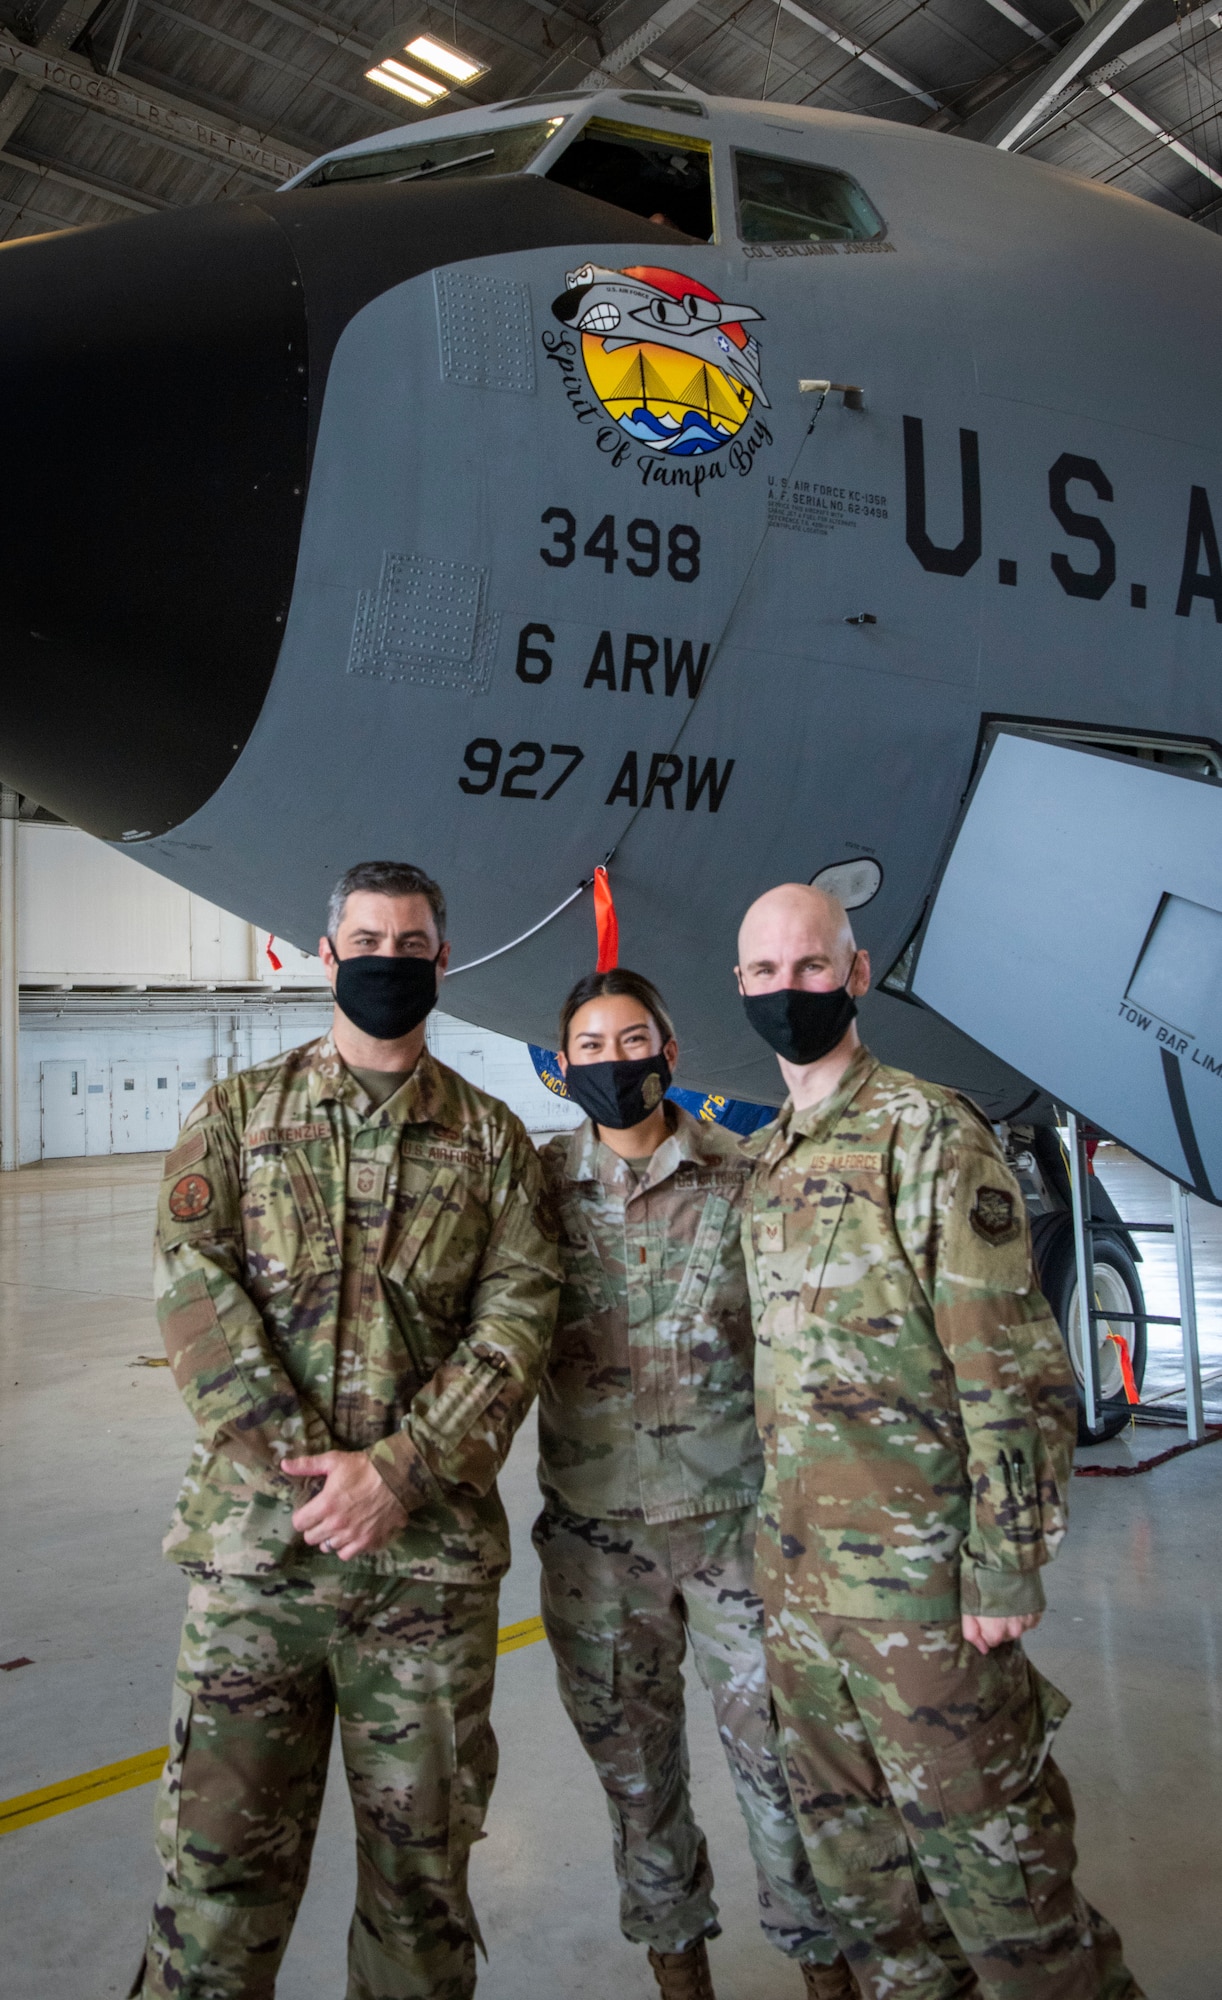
424 1214
704 1261
1008 1828
169 1796
586 1286
474 1775
463 1392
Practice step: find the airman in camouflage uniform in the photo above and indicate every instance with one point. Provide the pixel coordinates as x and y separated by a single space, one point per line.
650 1465
352 1281
918 1419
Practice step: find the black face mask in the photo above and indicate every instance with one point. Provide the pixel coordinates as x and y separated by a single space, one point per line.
619 1094
386 997
801 1026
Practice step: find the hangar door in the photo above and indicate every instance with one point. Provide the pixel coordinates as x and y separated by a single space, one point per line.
144 1106
62 1098
1077 932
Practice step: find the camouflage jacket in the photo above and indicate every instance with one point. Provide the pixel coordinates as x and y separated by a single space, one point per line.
914 1395
334 1275
646 1409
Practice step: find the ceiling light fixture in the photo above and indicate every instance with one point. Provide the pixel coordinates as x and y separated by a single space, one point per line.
389 81
440 56
451 64
428 84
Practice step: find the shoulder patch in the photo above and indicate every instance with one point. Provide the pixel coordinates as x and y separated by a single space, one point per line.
994 1215
186 1153
189 1198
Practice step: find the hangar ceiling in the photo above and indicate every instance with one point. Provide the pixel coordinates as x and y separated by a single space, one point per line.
115 107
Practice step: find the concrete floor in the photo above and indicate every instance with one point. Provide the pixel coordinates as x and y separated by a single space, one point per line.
92 1449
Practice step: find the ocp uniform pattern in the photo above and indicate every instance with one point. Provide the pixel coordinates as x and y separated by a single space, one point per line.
918 1418
332 1274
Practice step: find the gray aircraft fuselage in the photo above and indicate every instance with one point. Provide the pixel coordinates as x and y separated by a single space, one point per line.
523 630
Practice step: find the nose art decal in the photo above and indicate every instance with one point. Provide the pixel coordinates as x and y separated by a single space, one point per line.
668 359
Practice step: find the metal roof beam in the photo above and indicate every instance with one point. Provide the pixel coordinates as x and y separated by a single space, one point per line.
634 45
798 75
670 76
339 38
152 111
100 190
1052 79
311 78
861 53
1175 32
19 98
19 208
1157 131
1018 20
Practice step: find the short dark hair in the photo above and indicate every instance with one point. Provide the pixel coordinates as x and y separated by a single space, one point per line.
633 985
385 878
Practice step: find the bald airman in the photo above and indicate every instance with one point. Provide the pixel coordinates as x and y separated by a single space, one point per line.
918 1418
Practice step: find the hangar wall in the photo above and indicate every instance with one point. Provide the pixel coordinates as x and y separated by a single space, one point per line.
136 994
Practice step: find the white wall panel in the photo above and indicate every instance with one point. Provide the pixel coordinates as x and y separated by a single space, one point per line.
221 946
90 915
504 1069
87 913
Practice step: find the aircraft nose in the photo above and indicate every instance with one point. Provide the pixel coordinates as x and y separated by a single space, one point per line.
160 405
155 448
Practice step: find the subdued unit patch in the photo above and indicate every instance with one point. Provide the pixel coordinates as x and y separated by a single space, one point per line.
485 335
993 1215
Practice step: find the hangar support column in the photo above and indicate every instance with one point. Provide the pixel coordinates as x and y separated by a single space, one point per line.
10 1124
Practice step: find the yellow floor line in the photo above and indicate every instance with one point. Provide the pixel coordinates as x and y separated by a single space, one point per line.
510 1637
81 1791
29 1807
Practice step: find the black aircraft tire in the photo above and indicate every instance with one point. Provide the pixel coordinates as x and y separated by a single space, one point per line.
1117 1285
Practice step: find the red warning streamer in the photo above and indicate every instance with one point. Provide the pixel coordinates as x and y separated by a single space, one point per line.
1131 1393
272 960
607 923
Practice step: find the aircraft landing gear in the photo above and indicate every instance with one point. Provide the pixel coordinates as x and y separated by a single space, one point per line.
1117 1289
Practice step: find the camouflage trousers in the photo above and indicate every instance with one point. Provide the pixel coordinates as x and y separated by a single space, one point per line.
265 1665
621 1599
914 1760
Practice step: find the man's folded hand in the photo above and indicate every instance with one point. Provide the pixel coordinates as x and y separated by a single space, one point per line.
354 1513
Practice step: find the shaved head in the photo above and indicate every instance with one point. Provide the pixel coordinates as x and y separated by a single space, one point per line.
794 923
793 940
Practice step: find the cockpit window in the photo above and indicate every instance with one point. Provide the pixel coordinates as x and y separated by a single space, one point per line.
664 179
456 157
787 201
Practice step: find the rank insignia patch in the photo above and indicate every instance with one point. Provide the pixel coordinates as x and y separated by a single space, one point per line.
190 1198
993 1215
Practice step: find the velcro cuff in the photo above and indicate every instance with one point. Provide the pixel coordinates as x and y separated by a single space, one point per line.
999 1593
397 1462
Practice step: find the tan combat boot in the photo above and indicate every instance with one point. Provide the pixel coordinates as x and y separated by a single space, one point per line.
830 1982
683 1975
